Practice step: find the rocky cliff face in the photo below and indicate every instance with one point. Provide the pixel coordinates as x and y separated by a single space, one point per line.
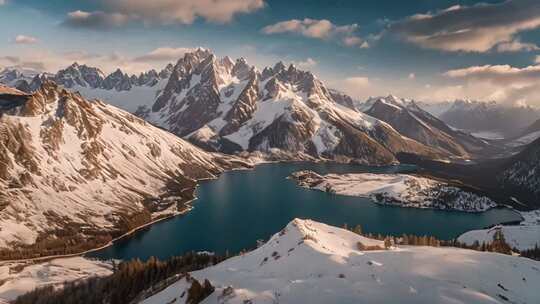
230 106
75 173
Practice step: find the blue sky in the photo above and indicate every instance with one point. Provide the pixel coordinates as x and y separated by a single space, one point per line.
430 49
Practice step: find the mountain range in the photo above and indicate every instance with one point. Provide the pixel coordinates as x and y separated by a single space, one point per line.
480 117
412 121
287 113
280 112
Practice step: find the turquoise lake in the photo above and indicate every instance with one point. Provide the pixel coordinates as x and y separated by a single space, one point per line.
241 207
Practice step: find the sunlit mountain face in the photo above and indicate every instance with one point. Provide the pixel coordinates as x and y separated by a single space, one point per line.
206 151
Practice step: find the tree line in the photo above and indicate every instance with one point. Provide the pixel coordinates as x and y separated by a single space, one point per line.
498 244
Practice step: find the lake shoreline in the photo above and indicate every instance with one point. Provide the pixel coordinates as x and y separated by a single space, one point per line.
172 216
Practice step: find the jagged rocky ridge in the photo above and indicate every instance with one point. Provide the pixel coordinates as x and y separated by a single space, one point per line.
402 190
75 173
230 106
118 88
78 76
410 120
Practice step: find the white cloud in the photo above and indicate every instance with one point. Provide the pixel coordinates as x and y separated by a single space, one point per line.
360 81
411 76
498 74
2 2
47 60
163 54
23 39
184 11
80 55
95 20
502 83
516 46
115 13
478 28
318 29
307 64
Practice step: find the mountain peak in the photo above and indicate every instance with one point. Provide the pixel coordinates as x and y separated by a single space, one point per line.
279 66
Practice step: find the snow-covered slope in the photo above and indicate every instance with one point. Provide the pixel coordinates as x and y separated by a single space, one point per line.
129 100
527 135
82 172
310 262
525 139
21 277
524 236
410 120
229 106
396 189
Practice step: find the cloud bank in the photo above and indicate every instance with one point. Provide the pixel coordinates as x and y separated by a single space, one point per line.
479 28
503 83
23 39
163 54
116 13
318 29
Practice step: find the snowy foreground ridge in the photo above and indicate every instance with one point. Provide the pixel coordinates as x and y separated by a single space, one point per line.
396 189
523 236
310 262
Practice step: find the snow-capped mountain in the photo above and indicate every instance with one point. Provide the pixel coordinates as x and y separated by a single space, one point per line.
477 116
410 120
77 75
230 106
21 79
75 173
118 88
310 262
